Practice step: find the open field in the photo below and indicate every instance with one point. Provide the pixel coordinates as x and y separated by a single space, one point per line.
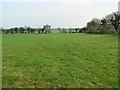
60 60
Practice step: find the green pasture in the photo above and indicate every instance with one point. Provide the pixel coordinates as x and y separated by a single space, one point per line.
59 61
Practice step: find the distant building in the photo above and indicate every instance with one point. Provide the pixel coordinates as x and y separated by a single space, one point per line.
119 6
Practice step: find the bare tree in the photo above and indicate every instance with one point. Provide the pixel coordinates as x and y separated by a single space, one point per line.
46 28
115 20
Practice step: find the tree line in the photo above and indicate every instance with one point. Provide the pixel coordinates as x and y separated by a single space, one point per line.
27 30
109 24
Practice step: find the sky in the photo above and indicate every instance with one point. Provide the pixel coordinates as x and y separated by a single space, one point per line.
57 13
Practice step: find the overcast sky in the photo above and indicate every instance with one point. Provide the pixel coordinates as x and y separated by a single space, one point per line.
57 13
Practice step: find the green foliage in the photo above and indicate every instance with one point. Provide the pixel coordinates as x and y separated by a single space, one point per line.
60 61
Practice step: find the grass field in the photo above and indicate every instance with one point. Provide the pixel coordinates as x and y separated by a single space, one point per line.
60 61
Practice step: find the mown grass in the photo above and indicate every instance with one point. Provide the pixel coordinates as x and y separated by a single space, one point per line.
60 61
